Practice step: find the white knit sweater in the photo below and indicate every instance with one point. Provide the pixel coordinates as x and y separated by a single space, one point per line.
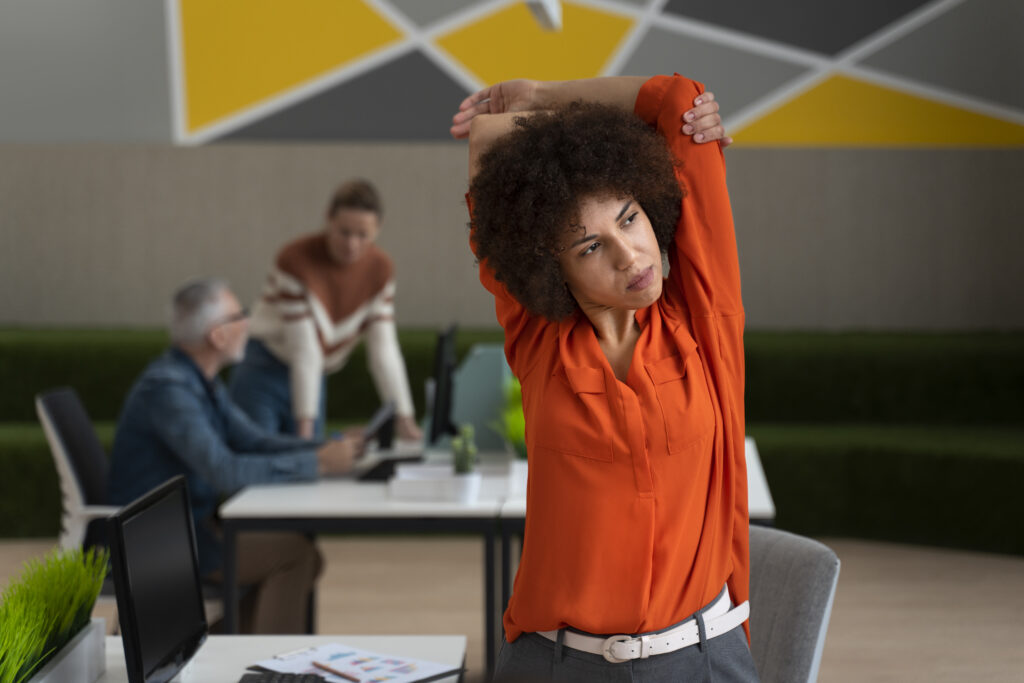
313 313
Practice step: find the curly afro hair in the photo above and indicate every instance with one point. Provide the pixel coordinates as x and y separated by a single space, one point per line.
531 181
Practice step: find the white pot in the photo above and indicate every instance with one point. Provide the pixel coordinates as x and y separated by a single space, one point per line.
430 482
464 488
81 660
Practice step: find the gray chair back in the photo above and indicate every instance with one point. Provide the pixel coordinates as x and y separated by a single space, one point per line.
792 585
81 464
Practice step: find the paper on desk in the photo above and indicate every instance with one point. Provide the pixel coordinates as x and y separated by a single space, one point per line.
367 667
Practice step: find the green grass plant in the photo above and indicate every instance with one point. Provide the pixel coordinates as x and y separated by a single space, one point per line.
46 607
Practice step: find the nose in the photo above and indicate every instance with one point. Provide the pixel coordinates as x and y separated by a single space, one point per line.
625 254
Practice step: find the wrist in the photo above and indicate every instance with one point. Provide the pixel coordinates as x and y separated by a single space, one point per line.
546 94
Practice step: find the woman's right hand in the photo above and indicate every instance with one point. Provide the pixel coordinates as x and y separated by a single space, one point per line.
500 98
304 428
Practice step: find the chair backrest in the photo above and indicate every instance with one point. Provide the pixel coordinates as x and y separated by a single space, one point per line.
792 585
79 457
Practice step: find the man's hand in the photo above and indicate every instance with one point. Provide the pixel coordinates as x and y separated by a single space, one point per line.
703 121
338 456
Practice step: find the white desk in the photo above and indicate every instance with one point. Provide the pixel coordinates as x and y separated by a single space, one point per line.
223 659
344 505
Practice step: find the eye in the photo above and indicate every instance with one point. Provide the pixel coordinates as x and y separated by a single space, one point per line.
629 219
590 249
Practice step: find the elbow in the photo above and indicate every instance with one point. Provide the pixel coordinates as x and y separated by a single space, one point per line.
484 129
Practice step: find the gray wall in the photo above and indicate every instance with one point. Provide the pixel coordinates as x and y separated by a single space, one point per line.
87 70
880 239
100 218
829 239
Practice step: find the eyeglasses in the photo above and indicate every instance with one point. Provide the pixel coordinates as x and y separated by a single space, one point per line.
241 314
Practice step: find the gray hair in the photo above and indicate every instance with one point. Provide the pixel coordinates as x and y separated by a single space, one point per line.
196 306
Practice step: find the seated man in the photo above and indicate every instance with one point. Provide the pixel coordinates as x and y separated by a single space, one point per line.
178 419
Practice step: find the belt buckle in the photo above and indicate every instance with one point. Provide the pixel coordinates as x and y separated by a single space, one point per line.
606 648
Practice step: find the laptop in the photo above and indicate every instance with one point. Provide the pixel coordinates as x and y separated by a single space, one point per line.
156 577
382 455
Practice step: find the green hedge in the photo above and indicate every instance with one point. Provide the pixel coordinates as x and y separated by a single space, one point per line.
29 490
791 377
905 437
102 364
885 378
946 486
938 486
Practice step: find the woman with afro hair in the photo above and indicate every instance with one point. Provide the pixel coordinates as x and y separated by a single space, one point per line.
601 222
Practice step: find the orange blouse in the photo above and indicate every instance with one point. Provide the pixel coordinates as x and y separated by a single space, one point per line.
637 494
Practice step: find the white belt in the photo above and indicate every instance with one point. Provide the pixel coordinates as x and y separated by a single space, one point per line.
718 619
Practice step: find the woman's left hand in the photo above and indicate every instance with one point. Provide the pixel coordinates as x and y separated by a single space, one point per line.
500 98
408 429
703 121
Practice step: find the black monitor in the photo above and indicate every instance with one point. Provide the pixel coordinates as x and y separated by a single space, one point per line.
441 401
156 574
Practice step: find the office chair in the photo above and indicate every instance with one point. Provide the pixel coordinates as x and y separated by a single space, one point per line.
81 464
82 467
792 585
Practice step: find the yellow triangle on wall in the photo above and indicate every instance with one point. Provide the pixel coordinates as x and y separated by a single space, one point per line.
511 44
845 112
237 53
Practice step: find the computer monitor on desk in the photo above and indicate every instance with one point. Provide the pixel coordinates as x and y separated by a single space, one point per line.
379 464
156 574
440 397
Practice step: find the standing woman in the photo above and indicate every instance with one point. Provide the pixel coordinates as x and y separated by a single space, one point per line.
635 557
325 292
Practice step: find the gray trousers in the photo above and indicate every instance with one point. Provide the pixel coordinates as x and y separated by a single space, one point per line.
725 659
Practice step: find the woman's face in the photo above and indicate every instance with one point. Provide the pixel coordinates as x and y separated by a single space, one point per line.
350 233
612 260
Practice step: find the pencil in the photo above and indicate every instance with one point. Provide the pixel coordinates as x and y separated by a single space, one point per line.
331 670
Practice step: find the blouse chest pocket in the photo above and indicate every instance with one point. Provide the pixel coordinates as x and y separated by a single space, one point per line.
685 401
572 416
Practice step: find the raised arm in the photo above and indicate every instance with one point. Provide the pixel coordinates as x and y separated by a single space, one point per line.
705 244
525 95
488 114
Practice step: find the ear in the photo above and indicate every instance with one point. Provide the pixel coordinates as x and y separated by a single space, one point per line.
215 337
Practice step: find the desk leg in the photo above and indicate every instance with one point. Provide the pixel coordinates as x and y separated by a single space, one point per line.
230 581
311 601
506 566
490 627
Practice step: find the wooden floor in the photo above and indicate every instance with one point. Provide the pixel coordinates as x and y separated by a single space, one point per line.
902 614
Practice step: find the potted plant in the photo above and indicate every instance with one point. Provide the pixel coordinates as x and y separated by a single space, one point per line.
46 634
467 481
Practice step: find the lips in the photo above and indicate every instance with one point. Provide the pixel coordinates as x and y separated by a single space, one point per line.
642 281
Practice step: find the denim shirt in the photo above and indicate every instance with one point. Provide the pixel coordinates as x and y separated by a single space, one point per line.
175 421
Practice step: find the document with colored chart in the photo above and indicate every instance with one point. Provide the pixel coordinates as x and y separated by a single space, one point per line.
338 663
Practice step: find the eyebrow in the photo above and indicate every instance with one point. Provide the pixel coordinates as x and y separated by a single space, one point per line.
625 207
587 238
